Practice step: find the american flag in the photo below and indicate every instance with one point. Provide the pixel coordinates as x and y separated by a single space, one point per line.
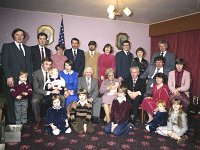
61 34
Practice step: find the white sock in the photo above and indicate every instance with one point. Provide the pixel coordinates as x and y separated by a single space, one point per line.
68 130
147 128
56 132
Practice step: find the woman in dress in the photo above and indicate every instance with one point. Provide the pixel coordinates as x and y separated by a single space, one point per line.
59 58
139 61
71 79
109 90
105 61
159 91
179 84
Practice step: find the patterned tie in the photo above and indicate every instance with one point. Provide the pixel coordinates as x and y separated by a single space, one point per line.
134 82
162 54
75 55
42 54
20 48
88 84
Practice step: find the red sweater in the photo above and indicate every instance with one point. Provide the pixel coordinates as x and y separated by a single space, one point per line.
17 89
120 111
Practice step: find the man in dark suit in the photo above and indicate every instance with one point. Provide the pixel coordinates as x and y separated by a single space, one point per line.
15 58
91 85
136 89
39 92
77 56
39 51
152 70
169 57
123 61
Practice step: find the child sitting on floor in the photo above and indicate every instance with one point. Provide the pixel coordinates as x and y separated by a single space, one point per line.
57 118
119 116
160 116
176 124
81 114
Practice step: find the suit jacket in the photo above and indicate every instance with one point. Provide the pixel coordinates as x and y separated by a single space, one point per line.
79 62
123 64
94 91
185 82
141 65
38 82
149 73
36 56
170 60
139 86
13 61
92 62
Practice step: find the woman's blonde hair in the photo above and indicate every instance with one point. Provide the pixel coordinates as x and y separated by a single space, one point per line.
177 101
110 70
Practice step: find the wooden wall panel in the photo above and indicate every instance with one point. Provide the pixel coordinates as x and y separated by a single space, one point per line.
187 23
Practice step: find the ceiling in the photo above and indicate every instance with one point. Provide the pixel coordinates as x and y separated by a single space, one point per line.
144 11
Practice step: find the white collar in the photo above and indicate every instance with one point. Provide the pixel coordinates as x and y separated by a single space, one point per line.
16 43
135 79
20 82
160 70
91 52
121 100
83 103
68 72
40 47
74 50
56 108
164 53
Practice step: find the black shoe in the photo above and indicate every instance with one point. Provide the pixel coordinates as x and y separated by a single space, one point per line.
96 120
132 121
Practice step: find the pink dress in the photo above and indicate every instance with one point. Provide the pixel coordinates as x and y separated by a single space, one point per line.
158 94
107 98
104 62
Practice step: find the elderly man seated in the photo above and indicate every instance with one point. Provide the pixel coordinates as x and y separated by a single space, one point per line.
91 85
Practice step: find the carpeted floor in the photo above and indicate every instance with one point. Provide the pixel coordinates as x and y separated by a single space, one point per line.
139 138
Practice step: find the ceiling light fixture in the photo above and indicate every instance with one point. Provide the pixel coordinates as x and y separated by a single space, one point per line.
115 11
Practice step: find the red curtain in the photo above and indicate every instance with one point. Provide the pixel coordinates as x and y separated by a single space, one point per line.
187 46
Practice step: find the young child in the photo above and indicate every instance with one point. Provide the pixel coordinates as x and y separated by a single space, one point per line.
81 114
55 81
160 116
57 118
176 124
21 91
119 116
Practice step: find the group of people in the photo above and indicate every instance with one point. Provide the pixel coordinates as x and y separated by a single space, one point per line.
76 84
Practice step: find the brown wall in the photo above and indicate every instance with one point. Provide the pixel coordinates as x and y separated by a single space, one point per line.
191 22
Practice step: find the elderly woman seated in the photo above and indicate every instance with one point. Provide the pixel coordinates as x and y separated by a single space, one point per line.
109 90
179 84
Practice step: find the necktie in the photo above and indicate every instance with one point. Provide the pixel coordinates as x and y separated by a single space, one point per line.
42 54
157 70
75 55
127 53
177 80
20 48
46 76
162 54
88 84
134 82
